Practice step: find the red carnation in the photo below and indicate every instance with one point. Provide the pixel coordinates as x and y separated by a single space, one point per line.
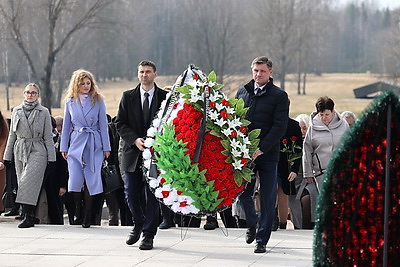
183 204
212 104
225 102
165 194
244 162
294 138
233 134
284 141
162 180
243 129
195 77
224 114
179 192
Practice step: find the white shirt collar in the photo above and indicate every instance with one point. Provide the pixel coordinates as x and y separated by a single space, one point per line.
151 92
255 87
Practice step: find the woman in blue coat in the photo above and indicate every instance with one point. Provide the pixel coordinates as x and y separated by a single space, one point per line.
84 139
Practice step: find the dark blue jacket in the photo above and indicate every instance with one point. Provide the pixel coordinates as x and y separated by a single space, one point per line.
268 111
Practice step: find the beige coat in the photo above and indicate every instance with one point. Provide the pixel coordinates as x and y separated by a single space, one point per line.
31 146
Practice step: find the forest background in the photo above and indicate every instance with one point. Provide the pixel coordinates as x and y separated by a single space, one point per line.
318 46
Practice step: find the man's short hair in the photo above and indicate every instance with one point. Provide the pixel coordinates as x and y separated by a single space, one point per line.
148 63
262 60
324 103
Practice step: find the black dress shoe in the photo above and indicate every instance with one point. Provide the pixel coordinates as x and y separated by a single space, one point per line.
12 212
146 244
211 225
134 235
165 224
260 248
250 235
28 222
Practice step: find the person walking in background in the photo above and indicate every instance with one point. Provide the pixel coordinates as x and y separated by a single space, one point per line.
349 116
84 139
136 110
288 167
55 180
30 143
268 111
299 204
322 138
3 141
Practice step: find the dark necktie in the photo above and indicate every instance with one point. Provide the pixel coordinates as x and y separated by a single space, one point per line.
146 110
258 91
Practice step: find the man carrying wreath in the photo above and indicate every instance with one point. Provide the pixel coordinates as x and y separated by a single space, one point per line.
268 111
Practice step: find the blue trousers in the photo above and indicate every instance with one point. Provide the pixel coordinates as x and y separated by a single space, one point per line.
142 203
268 189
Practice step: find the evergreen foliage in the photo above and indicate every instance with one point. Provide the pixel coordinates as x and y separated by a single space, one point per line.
350 212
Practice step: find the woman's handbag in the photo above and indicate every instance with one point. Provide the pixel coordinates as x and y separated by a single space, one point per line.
111 178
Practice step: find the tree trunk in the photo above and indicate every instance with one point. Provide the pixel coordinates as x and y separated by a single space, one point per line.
304 82
47 94
7 78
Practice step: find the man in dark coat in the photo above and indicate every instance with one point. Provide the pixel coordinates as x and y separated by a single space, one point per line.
268 111
136 110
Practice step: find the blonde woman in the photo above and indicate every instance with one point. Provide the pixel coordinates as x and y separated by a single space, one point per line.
84 139
30 143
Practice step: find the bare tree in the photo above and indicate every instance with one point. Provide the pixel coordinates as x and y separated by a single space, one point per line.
81 15
212 33
282 31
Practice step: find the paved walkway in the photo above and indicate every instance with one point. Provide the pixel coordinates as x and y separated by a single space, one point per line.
52 245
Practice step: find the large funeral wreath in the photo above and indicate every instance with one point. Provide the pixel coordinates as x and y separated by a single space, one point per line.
198 149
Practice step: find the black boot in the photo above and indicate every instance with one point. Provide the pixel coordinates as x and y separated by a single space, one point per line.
88 201
77 196
29 220
87 219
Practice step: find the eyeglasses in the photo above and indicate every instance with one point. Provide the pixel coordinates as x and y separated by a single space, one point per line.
32 93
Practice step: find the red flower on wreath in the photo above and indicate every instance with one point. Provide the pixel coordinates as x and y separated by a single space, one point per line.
224 114
211 158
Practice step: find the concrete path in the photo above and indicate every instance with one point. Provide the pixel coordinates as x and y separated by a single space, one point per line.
51 245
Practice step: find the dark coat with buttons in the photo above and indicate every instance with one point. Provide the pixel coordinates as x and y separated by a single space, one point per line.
268 111
130 124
